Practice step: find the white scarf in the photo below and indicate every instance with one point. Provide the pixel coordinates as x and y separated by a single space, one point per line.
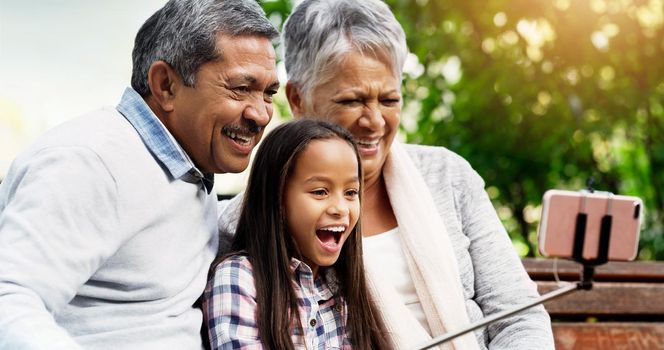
431 261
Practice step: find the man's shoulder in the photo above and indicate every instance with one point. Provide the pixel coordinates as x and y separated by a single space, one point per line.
103 132
99 141
91 130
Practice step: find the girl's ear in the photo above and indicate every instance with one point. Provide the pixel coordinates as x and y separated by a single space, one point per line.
294 99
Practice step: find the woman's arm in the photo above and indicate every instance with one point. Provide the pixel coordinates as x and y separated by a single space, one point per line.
501 282
229 306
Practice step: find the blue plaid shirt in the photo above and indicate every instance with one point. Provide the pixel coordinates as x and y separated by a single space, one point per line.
159 140
229 308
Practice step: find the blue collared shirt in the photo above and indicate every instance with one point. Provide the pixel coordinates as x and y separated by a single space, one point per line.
160 141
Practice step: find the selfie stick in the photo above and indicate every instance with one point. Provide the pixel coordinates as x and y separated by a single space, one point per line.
587 273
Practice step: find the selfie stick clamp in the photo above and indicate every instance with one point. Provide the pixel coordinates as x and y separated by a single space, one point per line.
587 272
588 269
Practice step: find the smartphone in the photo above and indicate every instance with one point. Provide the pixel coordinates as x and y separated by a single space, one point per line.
560 218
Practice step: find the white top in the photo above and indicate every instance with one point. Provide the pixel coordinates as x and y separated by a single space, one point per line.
384 249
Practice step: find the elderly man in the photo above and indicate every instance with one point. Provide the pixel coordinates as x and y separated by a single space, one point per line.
108 223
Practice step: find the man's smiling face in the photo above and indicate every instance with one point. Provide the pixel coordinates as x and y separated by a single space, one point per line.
220 119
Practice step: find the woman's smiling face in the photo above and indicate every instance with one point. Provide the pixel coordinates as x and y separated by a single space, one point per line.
364 96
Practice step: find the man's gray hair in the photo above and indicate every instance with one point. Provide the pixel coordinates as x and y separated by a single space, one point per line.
184 33
320 33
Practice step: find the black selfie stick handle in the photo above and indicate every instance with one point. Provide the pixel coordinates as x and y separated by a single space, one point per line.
586 282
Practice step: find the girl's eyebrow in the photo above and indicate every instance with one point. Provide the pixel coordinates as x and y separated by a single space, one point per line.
318 179
325 179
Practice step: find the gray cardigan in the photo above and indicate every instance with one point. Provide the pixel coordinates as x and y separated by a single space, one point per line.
492 275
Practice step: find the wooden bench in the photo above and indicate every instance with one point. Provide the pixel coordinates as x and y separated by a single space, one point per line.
624 310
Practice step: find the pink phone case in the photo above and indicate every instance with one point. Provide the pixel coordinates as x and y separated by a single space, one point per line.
559 213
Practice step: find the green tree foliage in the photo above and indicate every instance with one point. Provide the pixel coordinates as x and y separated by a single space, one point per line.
540 94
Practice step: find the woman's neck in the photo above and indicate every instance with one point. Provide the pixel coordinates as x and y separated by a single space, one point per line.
377 214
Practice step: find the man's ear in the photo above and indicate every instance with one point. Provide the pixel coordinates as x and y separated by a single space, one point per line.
163 82
294 99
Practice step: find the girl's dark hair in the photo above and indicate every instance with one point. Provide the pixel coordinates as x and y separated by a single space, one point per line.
262 235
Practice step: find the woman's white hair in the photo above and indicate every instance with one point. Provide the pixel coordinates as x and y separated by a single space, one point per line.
319 34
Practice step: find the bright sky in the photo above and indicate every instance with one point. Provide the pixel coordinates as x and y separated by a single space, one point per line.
60 59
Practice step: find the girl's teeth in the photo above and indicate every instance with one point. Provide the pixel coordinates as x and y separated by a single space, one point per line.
334 229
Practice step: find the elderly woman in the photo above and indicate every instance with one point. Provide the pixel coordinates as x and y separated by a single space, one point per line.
436 254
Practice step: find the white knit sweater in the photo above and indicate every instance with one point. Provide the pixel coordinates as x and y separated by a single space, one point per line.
99 247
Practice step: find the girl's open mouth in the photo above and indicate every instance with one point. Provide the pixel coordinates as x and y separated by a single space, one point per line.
330 236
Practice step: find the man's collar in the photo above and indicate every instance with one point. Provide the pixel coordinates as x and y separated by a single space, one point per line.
160 141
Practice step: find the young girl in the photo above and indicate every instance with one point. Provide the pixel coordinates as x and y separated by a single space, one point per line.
295 277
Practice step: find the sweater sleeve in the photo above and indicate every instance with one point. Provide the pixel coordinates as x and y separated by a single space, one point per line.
229 214
58 224
501 281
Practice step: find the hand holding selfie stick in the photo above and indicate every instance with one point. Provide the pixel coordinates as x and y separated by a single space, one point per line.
587 273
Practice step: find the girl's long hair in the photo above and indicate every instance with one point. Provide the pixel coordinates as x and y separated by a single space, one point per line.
262 235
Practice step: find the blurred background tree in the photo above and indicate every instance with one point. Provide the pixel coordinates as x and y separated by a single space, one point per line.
539 94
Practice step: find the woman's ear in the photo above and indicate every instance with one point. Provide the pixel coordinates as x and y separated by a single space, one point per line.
294 99
163 82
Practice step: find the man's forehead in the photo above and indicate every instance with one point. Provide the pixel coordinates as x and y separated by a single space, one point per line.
245 70
253 43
